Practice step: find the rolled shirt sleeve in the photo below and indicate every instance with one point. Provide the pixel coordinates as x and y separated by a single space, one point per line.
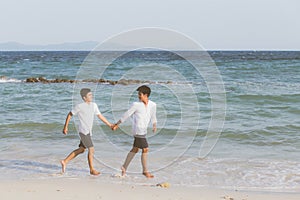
153 114
129 112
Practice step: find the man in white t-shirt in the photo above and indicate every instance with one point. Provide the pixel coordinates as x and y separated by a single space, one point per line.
142 113
85 112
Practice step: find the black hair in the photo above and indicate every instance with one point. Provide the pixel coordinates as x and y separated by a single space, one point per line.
84 92
145 90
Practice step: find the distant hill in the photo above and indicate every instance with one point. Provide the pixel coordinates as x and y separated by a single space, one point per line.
68 46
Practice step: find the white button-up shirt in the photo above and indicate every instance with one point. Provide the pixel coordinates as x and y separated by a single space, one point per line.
141 116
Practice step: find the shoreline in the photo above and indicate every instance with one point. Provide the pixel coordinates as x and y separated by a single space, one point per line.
66 188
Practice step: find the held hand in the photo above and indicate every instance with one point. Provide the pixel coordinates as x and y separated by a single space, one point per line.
114 127
65 131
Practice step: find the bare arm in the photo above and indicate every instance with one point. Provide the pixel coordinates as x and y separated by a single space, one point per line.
116 125
153 119
65 130
105 121
154 128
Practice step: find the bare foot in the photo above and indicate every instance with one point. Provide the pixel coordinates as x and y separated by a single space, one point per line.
148 175
63 166
123 171
94 172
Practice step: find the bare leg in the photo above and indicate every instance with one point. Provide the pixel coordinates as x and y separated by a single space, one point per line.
144 163
129 158
71 156
90 160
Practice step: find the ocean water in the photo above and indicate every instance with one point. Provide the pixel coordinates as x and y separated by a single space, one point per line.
258 147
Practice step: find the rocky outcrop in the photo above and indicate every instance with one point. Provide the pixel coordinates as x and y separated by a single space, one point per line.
111 82
43 80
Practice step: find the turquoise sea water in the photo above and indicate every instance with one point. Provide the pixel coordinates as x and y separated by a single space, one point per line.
259 146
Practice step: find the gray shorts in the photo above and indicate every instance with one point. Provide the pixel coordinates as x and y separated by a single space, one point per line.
85 141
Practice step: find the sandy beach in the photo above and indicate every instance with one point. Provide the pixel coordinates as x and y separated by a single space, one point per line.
92 189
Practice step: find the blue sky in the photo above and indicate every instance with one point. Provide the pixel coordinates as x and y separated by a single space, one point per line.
215 24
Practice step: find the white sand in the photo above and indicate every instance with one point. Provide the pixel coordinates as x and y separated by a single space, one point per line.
54 189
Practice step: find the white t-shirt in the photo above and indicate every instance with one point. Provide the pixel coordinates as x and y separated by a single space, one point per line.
86 113
141 116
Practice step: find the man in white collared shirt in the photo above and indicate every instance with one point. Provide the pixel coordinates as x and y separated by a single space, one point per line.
142 113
